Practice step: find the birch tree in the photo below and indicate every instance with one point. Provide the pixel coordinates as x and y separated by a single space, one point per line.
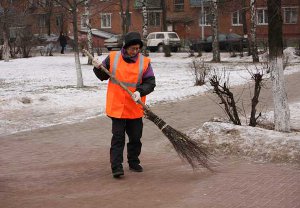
215 29
281 107
72 7
252 40
145 19
144 26
89 29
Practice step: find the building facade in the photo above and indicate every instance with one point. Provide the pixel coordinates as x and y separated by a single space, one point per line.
190 20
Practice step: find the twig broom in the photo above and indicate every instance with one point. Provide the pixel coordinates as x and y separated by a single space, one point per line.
186 148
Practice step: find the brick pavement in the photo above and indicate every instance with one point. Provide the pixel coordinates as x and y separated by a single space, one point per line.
68 166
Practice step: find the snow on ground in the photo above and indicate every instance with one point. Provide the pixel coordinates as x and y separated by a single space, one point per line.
257 143
41 91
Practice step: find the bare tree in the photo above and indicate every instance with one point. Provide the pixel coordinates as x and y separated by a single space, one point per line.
89 29
145 26
200 70
164 15
222 89
253 42
244 18
125 16
145 19
215 28
281 107
72 7
258 80
5 20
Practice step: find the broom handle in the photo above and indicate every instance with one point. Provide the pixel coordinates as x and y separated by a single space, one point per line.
145 107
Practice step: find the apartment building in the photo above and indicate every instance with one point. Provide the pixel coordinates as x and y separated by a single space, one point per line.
191 18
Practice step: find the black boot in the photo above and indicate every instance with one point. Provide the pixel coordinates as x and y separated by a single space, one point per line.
118 171
135 168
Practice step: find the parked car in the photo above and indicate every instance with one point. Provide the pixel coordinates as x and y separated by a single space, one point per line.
227 42
155 41
116 41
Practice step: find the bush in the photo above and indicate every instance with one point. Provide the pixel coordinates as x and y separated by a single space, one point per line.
200 71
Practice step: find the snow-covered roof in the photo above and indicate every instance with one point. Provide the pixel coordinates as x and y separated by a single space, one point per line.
48 38
99 33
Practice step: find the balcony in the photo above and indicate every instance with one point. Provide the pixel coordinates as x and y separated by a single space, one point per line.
150 4
197 3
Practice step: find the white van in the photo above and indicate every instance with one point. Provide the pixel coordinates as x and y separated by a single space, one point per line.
155 41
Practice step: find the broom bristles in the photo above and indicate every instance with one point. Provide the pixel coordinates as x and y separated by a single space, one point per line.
188 149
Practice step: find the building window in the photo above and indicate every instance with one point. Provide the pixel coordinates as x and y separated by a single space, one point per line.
178 5
154 18
236 18
59 21
42 20
83 21
206 21
106 20
290 15
262 16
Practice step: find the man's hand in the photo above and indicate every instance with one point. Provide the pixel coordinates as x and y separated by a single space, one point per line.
136 96
96 62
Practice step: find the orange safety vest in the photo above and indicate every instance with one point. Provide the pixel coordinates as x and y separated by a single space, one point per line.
119 103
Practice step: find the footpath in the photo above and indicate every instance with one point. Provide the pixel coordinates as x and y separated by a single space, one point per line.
67 166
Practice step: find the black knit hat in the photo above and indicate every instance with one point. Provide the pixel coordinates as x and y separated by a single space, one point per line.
132 38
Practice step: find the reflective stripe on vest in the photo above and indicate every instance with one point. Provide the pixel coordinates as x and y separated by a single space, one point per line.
141 65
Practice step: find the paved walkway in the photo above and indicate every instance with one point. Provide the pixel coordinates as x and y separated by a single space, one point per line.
67 166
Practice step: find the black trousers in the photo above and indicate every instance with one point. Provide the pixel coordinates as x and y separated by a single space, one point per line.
133 128
62 49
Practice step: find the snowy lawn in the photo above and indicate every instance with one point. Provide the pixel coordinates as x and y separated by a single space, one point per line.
41 91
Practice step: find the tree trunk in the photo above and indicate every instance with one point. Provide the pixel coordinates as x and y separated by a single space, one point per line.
5 52
215 44
145 52
281 107
48 16
89 31
123 20
62 23
164 15
145 19
244 19
252 40
76 49
127 18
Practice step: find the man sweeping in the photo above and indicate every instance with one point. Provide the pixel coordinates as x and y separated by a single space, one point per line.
134 70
